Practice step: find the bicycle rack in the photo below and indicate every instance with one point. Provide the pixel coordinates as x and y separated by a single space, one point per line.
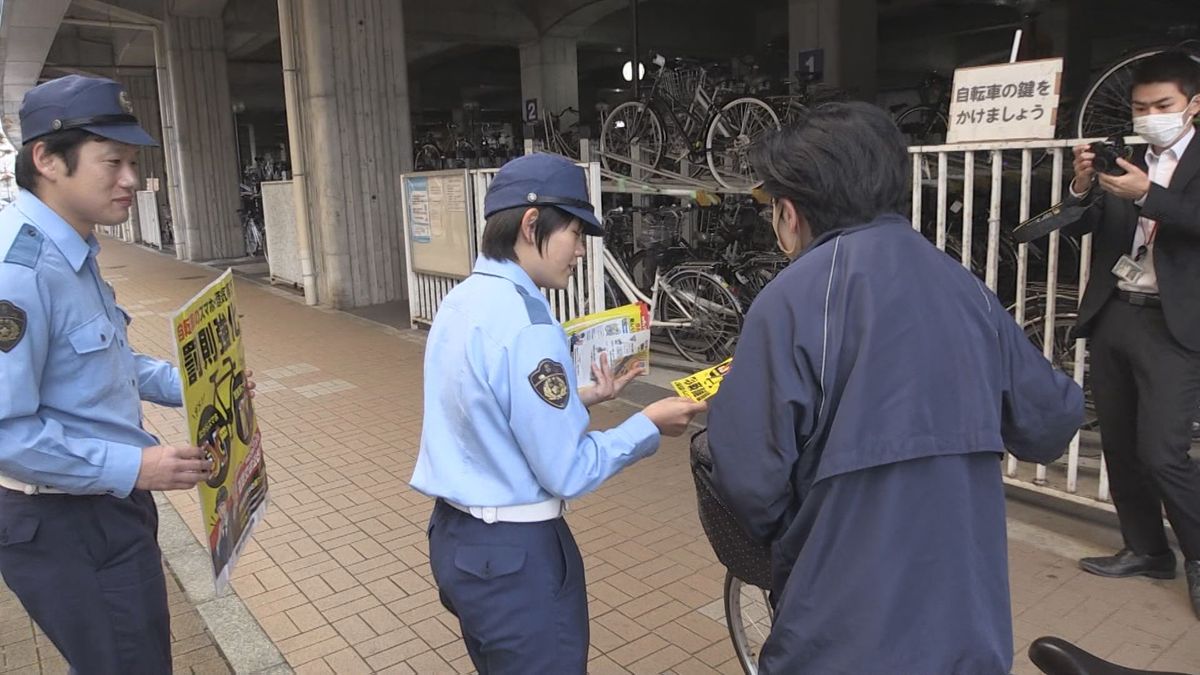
652 180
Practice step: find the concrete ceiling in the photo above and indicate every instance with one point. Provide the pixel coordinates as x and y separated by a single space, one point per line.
27 29
450 41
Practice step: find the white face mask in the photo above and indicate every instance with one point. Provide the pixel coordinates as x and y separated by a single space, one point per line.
1164 129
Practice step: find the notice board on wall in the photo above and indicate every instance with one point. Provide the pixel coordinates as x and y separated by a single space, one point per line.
438 223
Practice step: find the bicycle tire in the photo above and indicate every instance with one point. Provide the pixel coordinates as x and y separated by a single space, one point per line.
620 142
243 410
643 275
715 336
741 177
1108 94
937 123
747 653
209 417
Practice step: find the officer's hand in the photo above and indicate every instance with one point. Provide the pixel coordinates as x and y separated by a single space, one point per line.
166 467
250 384
1083 169
672 415
606 387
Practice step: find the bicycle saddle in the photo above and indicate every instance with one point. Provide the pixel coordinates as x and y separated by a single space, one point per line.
1055 656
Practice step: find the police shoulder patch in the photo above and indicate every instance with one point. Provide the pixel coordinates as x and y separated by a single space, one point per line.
12 325
549 381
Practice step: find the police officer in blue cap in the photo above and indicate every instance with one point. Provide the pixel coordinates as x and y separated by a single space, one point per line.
77 523
505 439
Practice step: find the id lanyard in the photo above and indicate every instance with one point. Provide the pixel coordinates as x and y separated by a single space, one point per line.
1145 247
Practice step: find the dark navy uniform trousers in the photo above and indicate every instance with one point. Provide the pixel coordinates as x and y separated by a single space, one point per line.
517 589
89 572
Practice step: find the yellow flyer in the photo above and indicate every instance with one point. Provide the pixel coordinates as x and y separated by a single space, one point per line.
703 385
220 419
621 332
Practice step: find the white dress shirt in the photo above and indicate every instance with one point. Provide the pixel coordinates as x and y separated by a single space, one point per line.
1160 167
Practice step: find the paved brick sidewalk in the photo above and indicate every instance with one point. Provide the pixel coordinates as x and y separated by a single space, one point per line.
338 574
25 649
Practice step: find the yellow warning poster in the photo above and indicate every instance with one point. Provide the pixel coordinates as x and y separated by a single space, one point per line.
703 385
220 419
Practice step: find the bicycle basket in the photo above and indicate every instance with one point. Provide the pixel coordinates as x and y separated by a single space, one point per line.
660 230
745 558
681 83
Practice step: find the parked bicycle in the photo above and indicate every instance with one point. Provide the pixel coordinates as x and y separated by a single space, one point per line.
254 233
688 116
560 134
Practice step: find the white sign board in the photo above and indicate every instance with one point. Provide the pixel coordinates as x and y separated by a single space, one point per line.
1014 101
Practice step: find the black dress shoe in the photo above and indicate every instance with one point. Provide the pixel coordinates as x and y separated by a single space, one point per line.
1126 563
1192 567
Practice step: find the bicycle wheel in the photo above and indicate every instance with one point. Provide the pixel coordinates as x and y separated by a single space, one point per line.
696 296
1104 111
922 125
428 158
629 124
731 132
248 239
243 409
748 615
210 426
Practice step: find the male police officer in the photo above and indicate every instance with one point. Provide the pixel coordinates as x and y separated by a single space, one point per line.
505 437
77 523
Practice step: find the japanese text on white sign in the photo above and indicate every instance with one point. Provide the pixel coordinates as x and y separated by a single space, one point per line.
1007 102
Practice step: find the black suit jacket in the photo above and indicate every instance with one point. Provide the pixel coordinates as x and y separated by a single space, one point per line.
1114 221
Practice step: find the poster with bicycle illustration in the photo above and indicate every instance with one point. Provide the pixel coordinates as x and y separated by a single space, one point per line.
220 416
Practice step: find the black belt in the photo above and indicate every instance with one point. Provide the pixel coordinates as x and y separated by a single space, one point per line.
1139 299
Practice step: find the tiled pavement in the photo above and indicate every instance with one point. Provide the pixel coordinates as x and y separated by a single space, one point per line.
24 649
338 576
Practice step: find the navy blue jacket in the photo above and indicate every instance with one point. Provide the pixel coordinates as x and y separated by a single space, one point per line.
875 386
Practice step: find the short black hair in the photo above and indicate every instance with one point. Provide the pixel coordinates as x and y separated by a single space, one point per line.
842 164
1171 66
65 144
502 227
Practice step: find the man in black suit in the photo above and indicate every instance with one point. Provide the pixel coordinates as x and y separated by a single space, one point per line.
1142 313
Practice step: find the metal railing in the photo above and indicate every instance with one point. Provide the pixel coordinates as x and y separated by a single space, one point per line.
1014 176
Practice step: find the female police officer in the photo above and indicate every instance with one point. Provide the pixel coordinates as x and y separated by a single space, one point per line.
505 437
875 386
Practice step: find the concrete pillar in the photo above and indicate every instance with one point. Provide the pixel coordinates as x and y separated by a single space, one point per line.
199 130
143 91
354 108
847 31
550 73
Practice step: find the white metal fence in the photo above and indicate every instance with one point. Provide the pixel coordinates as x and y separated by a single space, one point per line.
1041 282
584 293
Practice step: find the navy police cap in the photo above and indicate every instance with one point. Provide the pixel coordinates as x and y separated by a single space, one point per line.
543 179
94 104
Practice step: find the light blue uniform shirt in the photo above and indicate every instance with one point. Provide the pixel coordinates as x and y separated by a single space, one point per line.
71 387
499 429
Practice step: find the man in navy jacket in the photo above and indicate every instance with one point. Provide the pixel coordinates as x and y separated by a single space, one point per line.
875 387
